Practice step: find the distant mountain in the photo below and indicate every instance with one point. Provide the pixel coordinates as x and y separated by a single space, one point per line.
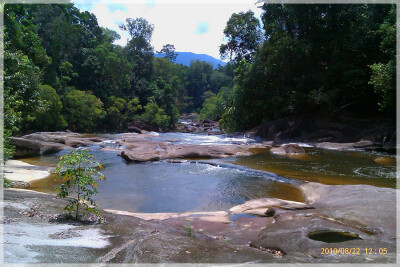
184 58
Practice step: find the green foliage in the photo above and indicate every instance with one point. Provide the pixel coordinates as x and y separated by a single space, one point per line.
169 52
244 35
6 183
383 79
8 148
21 84
140 53
116 118
155 116
312 58
132 108
21 35
198 77
213 105
189 229
106 71
50 118
173 76
83 111
66 75
79 174
316 59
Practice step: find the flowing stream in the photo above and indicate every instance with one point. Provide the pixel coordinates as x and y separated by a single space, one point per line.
200 186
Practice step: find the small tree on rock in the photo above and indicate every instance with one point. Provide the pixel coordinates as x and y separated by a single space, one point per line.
79 174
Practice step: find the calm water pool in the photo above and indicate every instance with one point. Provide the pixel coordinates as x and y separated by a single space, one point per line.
176 187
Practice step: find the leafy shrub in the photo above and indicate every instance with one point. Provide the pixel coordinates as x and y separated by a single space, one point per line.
189 229
50 117
155 116
79 181
84 111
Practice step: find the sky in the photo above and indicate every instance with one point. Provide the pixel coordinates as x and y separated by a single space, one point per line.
190 25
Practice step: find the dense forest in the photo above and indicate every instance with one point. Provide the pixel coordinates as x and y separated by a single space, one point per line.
312 59
62 70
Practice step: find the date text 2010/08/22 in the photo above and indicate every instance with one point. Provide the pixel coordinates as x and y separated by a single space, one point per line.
354 251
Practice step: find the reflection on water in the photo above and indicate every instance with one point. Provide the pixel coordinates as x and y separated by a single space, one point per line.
327 166
176 187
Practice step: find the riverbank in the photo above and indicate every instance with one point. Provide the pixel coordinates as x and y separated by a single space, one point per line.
21 174
339 131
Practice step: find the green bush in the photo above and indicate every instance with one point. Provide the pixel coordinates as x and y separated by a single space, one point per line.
83 111
79 182
155 116
50 117
116 118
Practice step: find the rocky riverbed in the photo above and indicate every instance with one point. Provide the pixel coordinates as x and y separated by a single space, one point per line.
34 231
263 228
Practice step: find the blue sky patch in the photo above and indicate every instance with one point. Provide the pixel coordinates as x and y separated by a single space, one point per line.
115 7
85 6
150 3
202 27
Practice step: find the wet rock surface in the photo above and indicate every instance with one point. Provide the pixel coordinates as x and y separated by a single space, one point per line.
33 236
190 124
139 150
339 212
21 174
334 217
288 149
40 143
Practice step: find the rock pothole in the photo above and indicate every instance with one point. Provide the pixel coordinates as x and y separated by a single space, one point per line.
331 236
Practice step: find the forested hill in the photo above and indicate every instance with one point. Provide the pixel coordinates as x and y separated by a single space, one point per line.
185 58
63 71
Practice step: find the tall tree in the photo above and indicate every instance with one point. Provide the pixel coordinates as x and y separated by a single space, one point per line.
139 52
168 51
198 82
244 35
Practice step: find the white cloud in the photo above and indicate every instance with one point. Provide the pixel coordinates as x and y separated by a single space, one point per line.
175 21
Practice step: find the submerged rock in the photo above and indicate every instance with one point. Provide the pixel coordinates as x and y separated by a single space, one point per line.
386 161
365 145
288 149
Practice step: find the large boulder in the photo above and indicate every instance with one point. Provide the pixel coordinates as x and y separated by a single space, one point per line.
54 137
50 142
139 150
28 148
204 151
139 155
364 144
78 142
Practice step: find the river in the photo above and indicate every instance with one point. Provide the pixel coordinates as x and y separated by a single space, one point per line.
210 185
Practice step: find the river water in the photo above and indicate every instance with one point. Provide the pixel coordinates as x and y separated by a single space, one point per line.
199 186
